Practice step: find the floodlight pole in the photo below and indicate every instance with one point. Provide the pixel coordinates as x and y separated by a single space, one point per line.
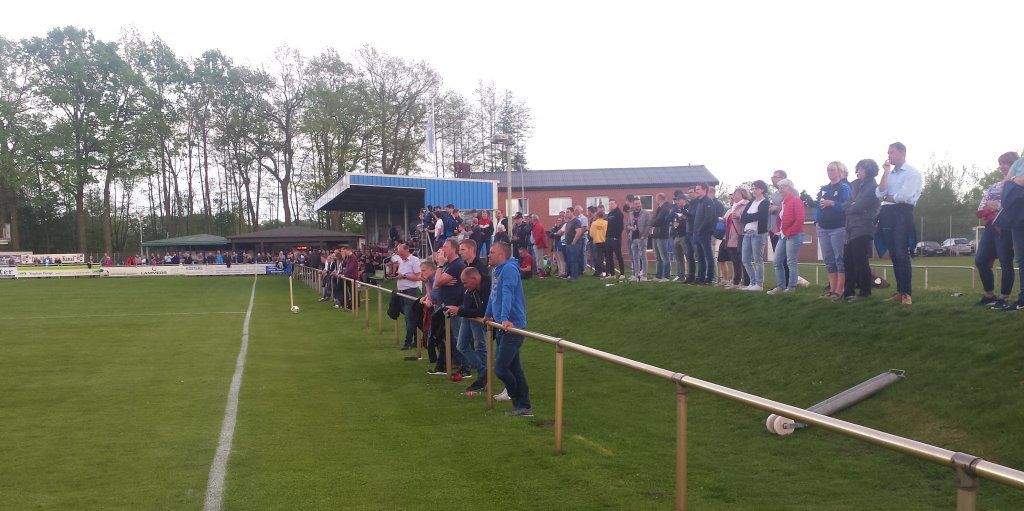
505 140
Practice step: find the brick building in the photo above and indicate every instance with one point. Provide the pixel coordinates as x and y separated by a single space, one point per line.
546 192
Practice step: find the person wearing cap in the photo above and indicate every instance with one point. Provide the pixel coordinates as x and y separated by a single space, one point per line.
680 249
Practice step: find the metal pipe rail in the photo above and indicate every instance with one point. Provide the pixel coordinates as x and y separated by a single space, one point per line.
967 468
885 271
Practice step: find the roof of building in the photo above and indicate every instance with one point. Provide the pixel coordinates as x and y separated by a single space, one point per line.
358 191
290 234
684 175
193 240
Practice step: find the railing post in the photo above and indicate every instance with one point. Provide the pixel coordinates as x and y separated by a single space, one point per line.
354 299
448 346
680 447
380 312
926 277
974 283
816 276
490 367
885 273
966 481
366 308
559 394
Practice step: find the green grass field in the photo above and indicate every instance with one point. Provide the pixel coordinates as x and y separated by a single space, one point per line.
113 392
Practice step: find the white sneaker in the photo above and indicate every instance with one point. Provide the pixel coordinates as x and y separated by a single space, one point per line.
503 396
789 290
802 282
753 287
775 291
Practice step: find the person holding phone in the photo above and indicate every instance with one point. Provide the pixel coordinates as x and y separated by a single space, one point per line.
899 190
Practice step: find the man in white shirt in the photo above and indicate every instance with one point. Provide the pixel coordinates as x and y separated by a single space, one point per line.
408 275
899 189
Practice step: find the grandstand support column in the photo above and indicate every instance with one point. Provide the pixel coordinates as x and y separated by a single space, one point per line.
680 447
448 346
380 312
559 394
490 367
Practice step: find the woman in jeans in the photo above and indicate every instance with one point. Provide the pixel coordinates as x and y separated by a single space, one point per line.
830 219
733 239
755 235
861 217
791 237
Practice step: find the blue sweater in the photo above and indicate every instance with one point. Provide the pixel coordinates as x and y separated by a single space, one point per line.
507 302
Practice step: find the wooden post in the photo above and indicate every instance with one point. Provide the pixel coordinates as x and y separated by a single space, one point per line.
448 346
380 312
366 308
680 447
490 368
559 395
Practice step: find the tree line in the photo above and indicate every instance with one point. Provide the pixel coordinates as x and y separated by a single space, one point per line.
101 141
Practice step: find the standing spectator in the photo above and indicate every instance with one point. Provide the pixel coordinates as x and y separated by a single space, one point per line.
394 236
583 215
704 218
830 219
733 239
558 245
899 189
517 232
472 341
661 224
639 228
995 243
613 240
791 236
861 215
107 260
1012 219
486 232
680 250
409 277
755 235
500 236
773 212
598 235
540 242
450 291
574 239
507 306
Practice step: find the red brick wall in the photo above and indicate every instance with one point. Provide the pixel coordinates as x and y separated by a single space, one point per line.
539 198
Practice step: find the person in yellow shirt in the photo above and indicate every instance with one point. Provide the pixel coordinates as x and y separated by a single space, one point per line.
598 232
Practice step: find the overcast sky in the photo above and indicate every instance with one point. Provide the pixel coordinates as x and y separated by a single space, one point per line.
741 87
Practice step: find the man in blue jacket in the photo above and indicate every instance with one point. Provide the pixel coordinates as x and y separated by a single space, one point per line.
507 306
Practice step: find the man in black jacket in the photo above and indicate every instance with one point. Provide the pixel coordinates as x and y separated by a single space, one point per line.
681 249
472 341
662 224
613 240
704 219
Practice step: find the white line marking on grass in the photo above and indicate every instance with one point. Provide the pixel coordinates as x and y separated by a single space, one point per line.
219 469
119 315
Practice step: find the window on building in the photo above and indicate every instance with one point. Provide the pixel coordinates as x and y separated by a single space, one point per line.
647 201
520 205
557 205
597 201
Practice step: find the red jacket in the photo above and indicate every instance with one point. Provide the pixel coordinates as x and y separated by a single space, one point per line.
540 237
792 216
350 268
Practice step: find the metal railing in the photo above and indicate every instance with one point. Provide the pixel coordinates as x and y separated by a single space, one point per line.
967 468
885 271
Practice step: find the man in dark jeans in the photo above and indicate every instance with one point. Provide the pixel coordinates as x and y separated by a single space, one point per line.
704 220
613 241
507 305
409 277
995 243
899 189
681 250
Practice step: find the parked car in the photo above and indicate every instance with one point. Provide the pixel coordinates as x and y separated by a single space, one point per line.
929 248
957 247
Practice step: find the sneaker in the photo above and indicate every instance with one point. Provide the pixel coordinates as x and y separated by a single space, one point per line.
465 373
753 287
677 278
622 277
478 384
907 300
775 291
851 298
503 396
336 306
802 282
436 372
999 305
689 280
789 290
1015 306
323 299
520 412
898 297
988 300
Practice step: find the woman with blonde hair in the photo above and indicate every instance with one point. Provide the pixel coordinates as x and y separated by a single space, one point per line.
830 220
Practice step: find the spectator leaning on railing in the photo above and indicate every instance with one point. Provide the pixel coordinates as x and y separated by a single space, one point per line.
507 306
